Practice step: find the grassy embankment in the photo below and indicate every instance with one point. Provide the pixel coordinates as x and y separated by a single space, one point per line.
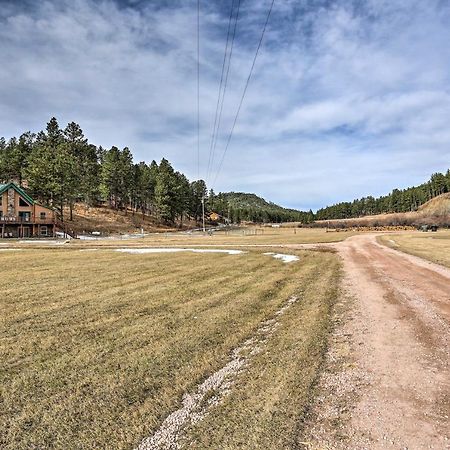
99 347
432 246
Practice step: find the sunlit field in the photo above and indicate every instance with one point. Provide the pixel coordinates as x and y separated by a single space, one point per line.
432 246
98 347
256 236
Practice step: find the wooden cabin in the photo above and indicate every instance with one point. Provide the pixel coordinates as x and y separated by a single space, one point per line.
21 216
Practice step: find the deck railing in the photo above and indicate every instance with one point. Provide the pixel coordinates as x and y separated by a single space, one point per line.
26 220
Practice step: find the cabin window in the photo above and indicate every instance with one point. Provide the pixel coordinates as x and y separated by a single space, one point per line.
1 199
42 215
22 202
43 230
25 216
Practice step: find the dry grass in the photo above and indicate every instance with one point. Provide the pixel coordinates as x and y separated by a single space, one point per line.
243 236
432 246
252 236
267 408
110 221
98 347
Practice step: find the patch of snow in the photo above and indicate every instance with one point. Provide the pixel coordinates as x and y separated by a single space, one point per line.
61 235
91 238
44 241
176 250
283 257
97 237
10 249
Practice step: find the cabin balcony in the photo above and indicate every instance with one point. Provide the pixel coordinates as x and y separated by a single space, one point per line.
24 220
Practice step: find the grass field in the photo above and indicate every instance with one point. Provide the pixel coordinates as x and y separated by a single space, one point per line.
432 246
246 236
238 237
98 348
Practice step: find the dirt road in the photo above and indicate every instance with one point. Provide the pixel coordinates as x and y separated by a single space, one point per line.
399 336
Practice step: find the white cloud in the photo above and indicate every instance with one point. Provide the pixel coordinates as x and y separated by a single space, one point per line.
348 98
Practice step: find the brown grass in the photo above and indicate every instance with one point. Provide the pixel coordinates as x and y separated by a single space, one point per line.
98 347
250 236
87 219
267 408
432 246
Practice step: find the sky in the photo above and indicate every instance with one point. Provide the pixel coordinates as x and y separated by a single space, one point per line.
348 97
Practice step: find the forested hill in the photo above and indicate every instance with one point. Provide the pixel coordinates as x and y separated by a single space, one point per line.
249 207
60 167
399 200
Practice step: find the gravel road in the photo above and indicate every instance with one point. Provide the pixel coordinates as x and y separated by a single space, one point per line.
400 334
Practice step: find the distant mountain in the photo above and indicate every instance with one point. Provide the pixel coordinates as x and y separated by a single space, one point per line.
242 206
245 200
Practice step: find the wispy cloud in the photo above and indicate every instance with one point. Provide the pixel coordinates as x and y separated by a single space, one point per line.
349 98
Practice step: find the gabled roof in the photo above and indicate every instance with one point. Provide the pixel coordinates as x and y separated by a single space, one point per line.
19 190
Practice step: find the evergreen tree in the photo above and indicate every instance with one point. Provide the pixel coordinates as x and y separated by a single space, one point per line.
86 162
164 191
110 176
198 193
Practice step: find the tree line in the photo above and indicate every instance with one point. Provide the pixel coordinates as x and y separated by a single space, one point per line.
398 201
59 167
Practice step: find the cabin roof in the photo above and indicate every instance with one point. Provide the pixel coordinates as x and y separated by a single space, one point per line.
19 190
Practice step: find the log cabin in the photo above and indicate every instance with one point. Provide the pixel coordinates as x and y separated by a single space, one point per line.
21 216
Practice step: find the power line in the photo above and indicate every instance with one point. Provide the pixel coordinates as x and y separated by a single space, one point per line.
221 97
198 89
244 92
220 87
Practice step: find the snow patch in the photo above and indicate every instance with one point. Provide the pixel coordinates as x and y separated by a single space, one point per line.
283 257
176 250
36 241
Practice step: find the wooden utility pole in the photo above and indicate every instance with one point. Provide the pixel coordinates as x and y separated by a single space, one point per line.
203 212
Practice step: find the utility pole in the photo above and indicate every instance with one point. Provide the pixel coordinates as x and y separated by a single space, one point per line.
203 212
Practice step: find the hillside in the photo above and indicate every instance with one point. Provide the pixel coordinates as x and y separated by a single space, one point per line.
246 200
398 201
251 207
435 211
438 206
105 220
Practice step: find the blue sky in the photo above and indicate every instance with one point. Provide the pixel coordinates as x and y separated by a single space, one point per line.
348 98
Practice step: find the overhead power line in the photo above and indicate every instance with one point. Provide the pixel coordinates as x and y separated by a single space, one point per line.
243 93
198 89
223 83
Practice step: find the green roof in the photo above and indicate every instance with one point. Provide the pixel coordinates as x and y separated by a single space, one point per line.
19 190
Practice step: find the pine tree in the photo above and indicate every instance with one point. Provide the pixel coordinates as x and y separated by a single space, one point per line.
85 155
164 191
110 176
198 192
